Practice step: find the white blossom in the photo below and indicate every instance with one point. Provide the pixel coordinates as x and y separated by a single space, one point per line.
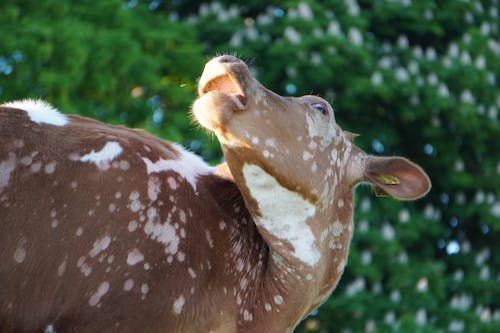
418 52
422 284
465 58
432 79
352 7
305 11
355 287
403 41
428 15
403 258
443 90
430 53
461 302
401 74
456 326
355 36
469 18
390 318
421 317
492 112
363 226
491 78
484 273
334 29
494 46
377 78
413 67
292 35
251 33
467 97
316 58
482 257
385 62
458 275
395 296
236 39
495 209
366 257
485 28
453 50
388 231
404 215
480 62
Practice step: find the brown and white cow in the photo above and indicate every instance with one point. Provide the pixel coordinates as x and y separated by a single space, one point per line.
109 229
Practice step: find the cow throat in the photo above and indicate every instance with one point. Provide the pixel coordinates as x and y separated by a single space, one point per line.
283 213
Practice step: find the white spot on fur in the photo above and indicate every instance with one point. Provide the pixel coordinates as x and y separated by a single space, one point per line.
189 166
172 183
192 272
20 254
50 168
247 316
132 226
99 246
283 213
6 168
102 158
49 329
209 238
135 256
101 291
128 285
153 188
179 304
35 167
268 307
62 268
165 234
135 203
144 288
306 156
124 165
40 111
278 299
271 142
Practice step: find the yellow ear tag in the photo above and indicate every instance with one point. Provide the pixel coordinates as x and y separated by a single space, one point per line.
388 180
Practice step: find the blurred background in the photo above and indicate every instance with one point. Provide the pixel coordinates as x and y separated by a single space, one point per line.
415 78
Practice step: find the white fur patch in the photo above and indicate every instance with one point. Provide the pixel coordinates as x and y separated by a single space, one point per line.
101 291
102 157
49 329
39 111
284 213
179 304
6 168
189 166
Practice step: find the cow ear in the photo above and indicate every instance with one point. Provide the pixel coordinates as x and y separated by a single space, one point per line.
396 177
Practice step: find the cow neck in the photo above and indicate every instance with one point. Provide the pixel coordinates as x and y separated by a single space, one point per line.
276 284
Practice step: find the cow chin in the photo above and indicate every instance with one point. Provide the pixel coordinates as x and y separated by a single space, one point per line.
214 109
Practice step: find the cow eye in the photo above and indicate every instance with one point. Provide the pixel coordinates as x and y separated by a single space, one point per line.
320 107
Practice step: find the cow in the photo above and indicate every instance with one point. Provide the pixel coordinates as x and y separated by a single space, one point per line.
109 229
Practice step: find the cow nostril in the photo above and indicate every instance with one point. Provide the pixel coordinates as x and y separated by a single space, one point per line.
228 59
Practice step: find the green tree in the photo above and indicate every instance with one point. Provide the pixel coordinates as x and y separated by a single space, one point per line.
418 79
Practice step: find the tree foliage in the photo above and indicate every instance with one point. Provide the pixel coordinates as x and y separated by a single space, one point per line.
415 78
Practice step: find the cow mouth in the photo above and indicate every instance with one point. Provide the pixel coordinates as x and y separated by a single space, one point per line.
228 85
